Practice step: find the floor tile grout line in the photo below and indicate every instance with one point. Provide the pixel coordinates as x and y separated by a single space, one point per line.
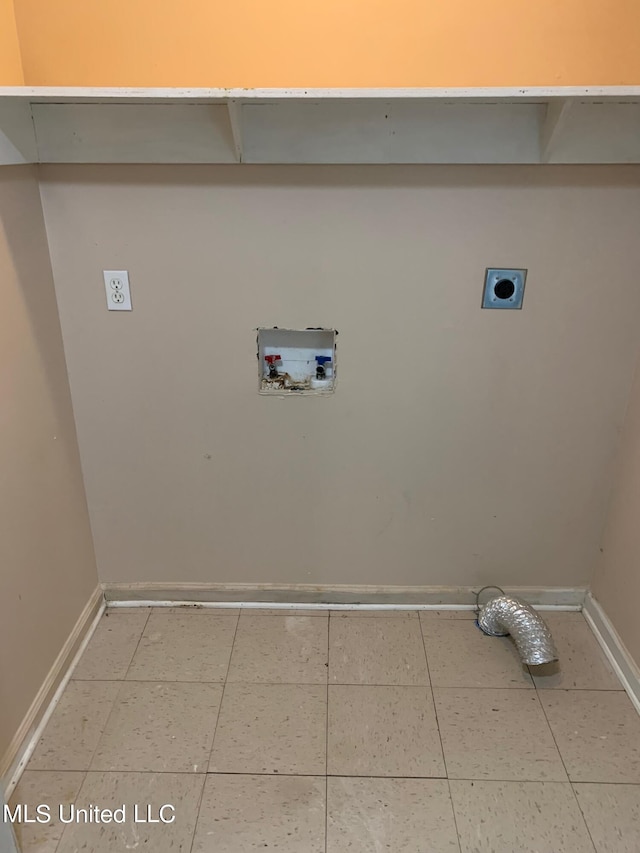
351 684
161 612
544 711
573 790
117 695
584 818
224 687
580 689
549 690
455 816
132 681
253 615
444 758
435 707
106 615
484 687
322 683
475 780
326 753
426 660
609 782
193 611
75 800
106 722
120 682
555 742
534 781
197 819
135 651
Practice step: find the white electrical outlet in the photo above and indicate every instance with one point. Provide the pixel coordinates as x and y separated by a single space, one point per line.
116 285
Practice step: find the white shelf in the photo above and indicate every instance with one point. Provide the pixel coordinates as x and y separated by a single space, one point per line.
526 125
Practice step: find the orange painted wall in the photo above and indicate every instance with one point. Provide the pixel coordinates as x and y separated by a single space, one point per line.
10 62
329 42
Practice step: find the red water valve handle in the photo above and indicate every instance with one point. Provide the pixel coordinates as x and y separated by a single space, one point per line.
271 359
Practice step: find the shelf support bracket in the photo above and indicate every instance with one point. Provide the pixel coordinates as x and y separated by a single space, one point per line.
235 120
554 121
17 133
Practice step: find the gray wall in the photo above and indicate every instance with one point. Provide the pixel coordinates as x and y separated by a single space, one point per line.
462 446
47 565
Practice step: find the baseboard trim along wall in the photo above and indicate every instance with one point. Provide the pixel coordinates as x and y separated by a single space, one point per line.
130 594
13 762
617 653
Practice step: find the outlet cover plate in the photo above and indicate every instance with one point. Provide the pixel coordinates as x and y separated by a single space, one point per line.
116 285
503 288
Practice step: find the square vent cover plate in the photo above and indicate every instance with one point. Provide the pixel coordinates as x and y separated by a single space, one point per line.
503 288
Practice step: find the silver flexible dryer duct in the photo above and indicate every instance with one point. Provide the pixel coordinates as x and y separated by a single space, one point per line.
508 615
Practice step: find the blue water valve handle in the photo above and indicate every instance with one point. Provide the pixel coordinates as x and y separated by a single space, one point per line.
321 360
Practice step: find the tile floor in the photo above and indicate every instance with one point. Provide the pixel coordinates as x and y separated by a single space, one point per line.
311 732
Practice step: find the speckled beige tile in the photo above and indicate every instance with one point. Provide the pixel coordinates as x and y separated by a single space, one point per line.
280 649
109 653
51 788
184 647
431 615
496 734
597 732
271 728
160 727
283 611
376 651
398 815
581 665
245 813
154 790
460 655
73 732
385 614
383 731
612 815
519 817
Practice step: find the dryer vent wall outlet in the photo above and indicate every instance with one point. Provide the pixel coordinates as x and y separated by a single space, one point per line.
503 288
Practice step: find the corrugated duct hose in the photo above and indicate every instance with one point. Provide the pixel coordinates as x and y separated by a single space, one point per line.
506 614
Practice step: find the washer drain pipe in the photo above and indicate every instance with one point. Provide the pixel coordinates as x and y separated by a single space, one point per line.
507 614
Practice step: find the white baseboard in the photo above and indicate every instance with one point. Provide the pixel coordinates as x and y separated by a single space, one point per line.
158 594
617 653
25 739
